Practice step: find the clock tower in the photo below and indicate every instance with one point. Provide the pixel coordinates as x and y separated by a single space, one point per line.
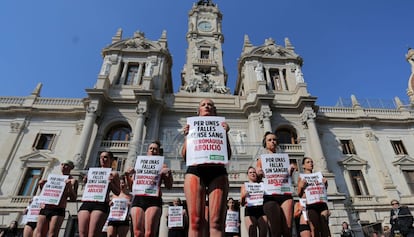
204 70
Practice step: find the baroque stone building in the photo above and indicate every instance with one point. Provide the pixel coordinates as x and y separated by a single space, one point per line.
362 151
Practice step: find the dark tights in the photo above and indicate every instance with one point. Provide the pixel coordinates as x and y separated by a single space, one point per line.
277 219
319 221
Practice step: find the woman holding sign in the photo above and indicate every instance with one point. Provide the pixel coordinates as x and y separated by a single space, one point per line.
92 215
206 151
51 216
252 197
312 186
276 170
118 219
146 208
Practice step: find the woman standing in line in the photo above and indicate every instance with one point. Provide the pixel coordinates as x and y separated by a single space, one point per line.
120 228
92 215
146 211
318 211
252 199
206 179
277 207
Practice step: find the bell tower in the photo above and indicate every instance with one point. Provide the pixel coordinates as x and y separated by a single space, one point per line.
204 70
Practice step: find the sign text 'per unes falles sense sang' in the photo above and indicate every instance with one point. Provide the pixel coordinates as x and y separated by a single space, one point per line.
206 141
147 175
97 185
276 169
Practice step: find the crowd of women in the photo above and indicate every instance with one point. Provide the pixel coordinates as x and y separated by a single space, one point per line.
117 203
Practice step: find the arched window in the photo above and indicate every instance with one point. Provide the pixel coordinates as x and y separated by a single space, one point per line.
286 136
119 133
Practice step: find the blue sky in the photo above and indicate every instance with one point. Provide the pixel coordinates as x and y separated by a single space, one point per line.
348 47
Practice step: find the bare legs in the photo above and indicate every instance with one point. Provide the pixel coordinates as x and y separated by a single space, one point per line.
195 194
146 223
91 223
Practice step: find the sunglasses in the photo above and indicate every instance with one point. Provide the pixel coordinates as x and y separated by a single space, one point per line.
395 203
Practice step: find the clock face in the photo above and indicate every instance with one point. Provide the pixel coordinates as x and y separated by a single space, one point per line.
204 26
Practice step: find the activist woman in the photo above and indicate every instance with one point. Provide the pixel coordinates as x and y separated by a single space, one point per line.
316 206
120 228
277 205
232 219
92 215
51 216
146 210
252 198
206 179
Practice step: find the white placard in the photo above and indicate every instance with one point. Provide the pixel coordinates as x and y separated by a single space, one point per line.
175 216
206 141
232 222
119 209
97 185
33 210
315 189
147 175
53 189
276 179
254 193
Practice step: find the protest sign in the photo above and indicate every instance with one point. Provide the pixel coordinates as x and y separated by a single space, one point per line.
119 209
33 210
147 175
53 189
97 186
175 216
255 193
206 141
315 189
277 180
232 221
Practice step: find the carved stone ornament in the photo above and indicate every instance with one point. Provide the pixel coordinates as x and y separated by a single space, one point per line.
15 127
205 85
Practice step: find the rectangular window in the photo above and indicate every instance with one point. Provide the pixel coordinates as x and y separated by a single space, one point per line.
358 183
409 177
398 147
347 147
132 75
204 54
31 181
44 141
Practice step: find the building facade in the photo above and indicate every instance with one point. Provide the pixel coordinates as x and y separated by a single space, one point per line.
363 151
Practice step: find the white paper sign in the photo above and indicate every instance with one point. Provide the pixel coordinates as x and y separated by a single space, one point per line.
315 190
147 175
276 173
97 186
53 189
232 222
302 202
175 216
119 209
206 141
254 194
33 210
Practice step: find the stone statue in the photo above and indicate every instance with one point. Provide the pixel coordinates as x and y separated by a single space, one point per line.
299 75
410 58
148 69
259 72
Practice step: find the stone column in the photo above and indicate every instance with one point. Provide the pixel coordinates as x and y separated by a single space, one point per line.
268 80
308 117
84 141
137 138
282 80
